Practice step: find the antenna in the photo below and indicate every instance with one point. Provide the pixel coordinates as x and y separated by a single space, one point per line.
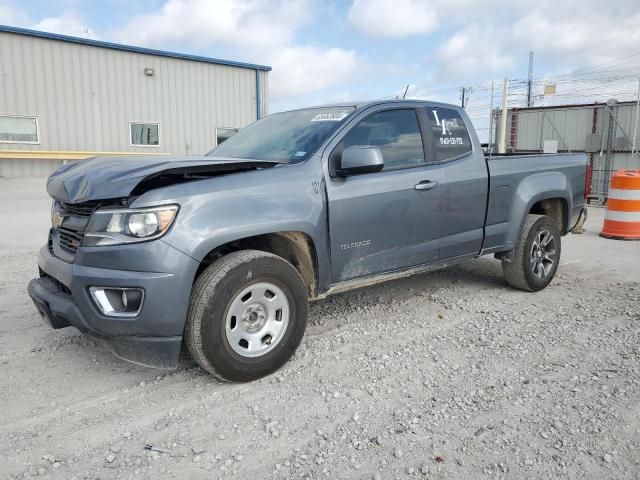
405 91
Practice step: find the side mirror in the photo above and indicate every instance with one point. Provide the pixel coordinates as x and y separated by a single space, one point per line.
360 159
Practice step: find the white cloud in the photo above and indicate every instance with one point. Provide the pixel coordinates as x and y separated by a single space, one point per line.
564 34
393 19
464 54
588 38
260 30
11 15
66 24
475 41
69 23
491 39
250 24
299 70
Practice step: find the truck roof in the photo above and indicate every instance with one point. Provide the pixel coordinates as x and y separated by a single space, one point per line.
364 104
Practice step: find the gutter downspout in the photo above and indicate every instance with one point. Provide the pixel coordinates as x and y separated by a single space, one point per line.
258 96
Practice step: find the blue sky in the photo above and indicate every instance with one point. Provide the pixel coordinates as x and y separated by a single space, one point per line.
336 50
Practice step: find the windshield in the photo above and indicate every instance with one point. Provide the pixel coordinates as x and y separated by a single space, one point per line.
285 137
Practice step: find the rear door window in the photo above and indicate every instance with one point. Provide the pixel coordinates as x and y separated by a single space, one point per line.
395 132
449 137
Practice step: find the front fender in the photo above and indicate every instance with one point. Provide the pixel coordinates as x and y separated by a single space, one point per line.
219 210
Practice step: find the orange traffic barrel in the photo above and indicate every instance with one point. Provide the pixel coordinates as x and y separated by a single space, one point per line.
622 220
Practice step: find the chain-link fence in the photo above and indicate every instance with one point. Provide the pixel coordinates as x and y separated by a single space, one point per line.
605 132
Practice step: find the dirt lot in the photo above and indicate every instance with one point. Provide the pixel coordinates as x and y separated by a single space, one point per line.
446 375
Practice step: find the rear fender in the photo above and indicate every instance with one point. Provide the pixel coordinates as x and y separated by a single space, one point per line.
534 188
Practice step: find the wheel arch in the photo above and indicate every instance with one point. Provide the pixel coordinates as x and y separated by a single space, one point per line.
539 193
298 248
555 207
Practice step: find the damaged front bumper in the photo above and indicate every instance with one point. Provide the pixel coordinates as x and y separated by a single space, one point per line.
153 337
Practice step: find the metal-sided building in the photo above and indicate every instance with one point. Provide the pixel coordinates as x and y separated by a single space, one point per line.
609 133
65 98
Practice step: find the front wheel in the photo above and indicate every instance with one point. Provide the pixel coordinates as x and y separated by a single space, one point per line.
247 315
537 255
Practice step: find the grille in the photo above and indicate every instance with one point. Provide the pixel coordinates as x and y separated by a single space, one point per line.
65 240
69 240
50 241
80 209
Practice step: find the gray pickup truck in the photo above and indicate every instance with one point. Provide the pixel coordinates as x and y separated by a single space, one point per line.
224 251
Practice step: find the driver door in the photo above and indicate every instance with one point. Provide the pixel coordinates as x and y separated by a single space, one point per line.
388 220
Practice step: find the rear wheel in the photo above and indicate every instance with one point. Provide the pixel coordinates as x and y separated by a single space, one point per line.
537 255
247 315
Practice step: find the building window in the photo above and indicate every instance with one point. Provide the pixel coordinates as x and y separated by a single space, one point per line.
223 134
145 134
18 129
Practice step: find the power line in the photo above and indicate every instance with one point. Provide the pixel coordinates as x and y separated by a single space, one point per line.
588 69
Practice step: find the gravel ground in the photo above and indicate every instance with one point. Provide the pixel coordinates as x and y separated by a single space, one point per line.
443 375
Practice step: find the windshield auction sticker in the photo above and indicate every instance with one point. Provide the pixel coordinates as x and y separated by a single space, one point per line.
330 117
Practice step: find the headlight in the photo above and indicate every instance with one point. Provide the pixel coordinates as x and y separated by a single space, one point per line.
117 226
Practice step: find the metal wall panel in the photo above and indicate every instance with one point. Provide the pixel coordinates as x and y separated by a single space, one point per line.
626 115
20 167
85 96
625 160
569 125
572 126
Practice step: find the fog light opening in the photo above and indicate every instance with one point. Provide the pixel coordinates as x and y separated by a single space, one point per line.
118 302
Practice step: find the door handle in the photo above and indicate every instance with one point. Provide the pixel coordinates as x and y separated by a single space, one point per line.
425 185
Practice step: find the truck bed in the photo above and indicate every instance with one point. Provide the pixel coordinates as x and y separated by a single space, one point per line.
518 181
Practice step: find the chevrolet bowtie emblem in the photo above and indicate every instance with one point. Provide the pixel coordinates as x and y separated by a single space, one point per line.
57 219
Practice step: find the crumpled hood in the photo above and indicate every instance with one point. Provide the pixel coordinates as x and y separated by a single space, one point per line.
102 178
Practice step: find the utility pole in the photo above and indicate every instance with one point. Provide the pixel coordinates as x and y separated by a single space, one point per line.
635 129
490 142
612 129
502 139
464 96
530 81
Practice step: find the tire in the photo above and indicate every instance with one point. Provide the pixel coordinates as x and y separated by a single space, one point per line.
221 316
533 268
